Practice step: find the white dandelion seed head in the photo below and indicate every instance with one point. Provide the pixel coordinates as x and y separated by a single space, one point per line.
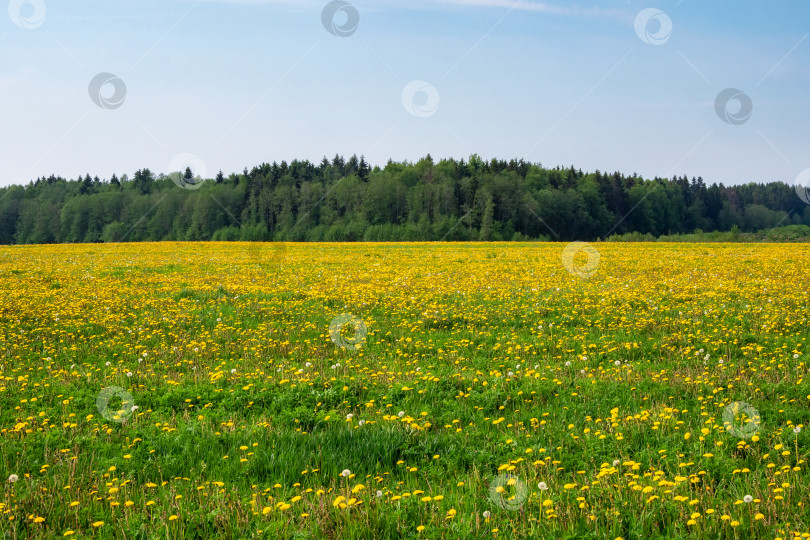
795 356
129 374
797 430
568 363
748 498
308 364
361 422
401 414
13 478
617 362
542 486
616 462
349 416
487 514
233 370
345 473
107 364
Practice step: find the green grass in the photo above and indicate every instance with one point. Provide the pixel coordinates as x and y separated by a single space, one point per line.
441 357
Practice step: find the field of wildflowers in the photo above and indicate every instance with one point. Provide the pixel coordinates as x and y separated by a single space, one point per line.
240 390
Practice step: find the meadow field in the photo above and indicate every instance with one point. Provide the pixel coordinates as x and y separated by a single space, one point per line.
483 390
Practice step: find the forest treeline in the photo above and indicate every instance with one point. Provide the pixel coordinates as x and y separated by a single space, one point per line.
348 200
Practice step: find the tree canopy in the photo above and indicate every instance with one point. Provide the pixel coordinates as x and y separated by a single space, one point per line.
348 200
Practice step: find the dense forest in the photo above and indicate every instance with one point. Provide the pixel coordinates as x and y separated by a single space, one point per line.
348 200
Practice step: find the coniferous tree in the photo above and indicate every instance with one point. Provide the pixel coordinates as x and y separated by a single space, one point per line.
342 200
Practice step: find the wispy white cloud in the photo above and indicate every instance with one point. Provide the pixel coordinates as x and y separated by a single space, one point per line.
524 5
537 6
258 2
10 80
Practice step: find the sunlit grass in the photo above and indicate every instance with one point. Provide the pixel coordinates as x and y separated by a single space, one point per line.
475 390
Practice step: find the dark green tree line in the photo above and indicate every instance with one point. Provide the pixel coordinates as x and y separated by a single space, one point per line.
348 200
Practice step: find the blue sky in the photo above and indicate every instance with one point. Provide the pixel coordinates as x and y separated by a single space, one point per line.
240 82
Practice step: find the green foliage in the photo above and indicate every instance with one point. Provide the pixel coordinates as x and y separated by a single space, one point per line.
791 233
346 201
